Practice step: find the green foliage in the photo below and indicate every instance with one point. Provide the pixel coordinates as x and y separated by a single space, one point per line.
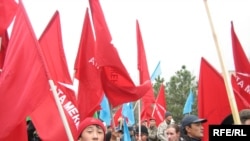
177 90
157 85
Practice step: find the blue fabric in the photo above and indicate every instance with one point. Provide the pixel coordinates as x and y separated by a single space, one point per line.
156 72
189 102
128 112
105 113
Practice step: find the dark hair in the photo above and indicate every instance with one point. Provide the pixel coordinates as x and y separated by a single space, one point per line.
175 126
244 115
108 136
184 131
32 133
144 130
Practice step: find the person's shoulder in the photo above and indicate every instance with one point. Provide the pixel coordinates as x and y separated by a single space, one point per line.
162 123
185 138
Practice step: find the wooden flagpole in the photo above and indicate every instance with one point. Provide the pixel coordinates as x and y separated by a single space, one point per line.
154 109
54 92
230 94
61 111
112 116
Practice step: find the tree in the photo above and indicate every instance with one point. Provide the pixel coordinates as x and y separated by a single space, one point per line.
157 84
177 90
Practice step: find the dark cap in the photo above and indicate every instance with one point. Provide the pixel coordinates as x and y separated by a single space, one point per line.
189 119
168 114
144 130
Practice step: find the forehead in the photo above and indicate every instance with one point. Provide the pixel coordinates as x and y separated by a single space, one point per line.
93 127
196 123
170 129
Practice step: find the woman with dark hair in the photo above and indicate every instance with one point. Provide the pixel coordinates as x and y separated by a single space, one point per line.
173 133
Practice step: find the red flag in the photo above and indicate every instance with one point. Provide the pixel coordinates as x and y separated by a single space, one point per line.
8 10
23 81
117 115
3 48
19 133
242 66
48 123
90 91
52 49
148 99
212 96
160 106
213 101
116 82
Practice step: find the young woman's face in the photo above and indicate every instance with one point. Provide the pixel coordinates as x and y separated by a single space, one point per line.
172 135
92 133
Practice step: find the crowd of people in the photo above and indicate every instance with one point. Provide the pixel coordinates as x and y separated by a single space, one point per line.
190 129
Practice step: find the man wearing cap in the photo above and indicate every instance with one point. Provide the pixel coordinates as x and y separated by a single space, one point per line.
192 127
163 126
152 130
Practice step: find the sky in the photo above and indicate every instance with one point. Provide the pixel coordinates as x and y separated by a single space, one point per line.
175 32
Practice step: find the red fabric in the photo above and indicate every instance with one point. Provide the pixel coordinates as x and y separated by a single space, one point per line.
148 99
53 53
18 134
90 91
242 66
4 43
90 121
117 115
213 101
212 96
8 10
160 106
52 48
117 84
49 123
23 81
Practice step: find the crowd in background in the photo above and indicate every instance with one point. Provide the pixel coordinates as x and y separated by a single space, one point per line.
190 129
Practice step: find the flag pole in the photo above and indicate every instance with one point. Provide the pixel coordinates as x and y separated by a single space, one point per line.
56 98
62 114
231 98
153 110
136 103
112 116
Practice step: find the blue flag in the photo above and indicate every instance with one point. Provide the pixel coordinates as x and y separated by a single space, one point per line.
105 113
189 102
126 134
128 113
156 72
